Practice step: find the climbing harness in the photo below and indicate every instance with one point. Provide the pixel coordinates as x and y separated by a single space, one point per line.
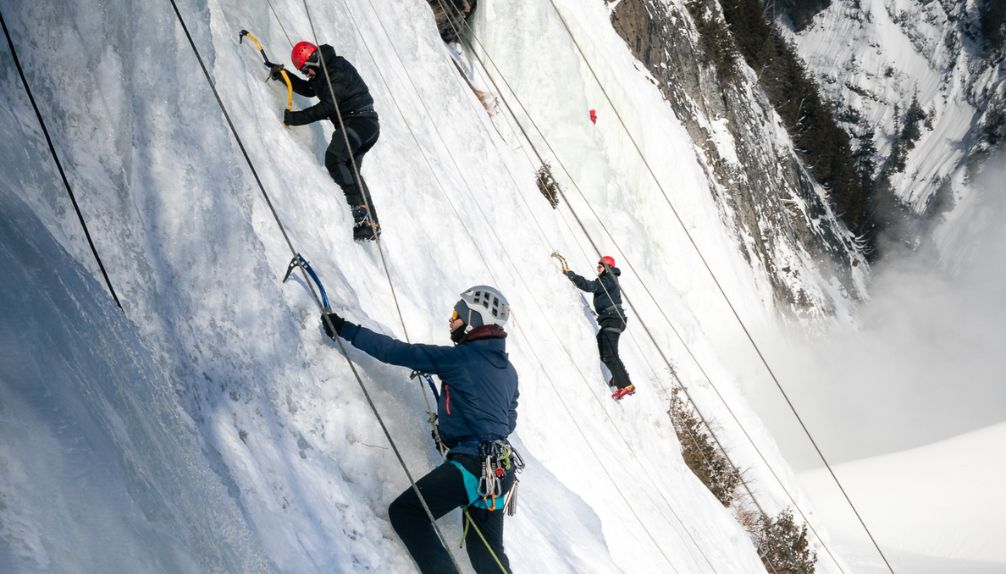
486 490
474 37
286 237
272 67
495 462
652 537
497 458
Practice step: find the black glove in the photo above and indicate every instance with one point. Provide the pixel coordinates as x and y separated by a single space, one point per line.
287 117
336 321
275 72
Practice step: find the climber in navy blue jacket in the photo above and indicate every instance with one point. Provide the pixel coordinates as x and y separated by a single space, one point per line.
476 412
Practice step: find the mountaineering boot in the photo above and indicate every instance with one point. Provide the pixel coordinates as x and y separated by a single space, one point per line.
623 392
363 227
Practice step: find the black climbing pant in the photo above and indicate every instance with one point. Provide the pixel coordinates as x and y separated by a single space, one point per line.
607 345
362 132
444 490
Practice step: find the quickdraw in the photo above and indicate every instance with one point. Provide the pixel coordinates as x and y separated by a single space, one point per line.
272 66
430 415
510 506
498 457
299 261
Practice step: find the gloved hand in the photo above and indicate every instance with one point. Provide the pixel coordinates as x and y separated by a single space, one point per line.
336 321
274 72
287 117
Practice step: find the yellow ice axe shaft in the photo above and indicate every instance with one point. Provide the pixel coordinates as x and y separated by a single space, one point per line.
265 58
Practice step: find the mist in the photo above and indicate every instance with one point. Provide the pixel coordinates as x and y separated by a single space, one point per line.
922 360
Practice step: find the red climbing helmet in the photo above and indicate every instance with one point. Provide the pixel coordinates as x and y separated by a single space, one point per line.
607 261
300 54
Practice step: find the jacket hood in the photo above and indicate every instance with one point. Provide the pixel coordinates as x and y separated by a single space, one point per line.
328 53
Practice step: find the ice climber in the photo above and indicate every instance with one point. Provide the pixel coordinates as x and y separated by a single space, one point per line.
476 412
352 97
610 318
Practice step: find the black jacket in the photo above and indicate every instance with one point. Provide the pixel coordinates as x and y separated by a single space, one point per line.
351 93
607 293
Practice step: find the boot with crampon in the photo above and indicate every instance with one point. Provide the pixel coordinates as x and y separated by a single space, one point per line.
364 228
624 392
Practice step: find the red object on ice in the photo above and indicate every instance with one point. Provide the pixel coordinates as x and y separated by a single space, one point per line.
593 116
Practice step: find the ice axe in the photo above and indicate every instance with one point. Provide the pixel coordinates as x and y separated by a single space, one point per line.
272 66
562 260
299 261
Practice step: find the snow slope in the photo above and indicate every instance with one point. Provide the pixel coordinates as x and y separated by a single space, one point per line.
265 419
938 507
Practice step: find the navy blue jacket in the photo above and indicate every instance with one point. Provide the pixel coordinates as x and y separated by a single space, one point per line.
351 92
607 293
478 393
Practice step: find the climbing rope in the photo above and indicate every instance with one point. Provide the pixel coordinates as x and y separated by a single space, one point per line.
279 21
517 269
356 171
429 407
484 259
628 300
55 158
310 286
726 298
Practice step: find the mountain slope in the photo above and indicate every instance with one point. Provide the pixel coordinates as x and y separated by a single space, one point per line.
920 82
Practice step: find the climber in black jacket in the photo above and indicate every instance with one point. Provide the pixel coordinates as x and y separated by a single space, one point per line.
610 318
356 106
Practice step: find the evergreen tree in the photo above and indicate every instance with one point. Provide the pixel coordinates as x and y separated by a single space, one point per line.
799 12
784 547
700 453
825 147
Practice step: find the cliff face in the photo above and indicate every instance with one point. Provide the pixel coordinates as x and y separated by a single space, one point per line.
781 216
920 86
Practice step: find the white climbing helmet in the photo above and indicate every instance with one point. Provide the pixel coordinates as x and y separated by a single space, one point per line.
483 305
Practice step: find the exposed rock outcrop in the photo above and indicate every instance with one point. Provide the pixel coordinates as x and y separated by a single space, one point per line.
782 218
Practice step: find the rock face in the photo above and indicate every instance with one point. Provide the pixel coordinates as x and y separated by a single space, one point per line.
920 84
781 216
451 16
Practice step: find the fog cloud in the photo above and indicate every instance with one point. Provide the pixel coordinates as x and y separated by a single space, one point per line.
926 357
